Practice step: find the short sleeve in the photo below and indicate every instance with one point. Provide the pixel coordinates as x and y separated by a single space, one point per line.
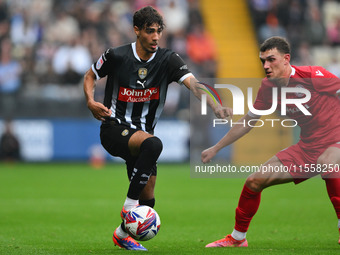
324 81
103 64
178 69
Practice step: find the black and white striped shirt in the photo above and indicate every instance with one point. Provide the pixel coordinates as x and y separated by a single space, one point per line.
136 90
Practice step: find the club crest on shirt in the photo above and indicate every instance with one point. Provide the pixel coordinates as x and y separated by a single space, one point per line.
142 73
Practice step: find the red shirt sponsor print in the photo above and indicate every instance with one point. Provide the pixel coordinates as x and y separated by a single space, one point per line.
138 95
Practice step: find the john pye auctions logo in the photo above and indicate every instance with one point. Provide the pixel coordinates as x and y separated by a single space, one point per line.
138 95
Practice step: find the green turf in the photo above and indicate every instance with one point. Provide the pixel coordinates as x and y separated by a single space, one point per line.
73 209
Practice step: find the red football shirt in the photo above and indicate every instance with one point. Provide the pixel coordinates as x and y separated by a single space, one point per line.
323 126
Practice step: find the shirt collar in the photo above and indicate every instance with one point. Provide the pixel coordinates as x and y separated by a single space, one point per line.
133 45
293 72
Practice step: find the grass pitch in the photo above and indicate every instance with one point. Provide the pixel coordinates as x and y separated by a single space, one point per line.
73 209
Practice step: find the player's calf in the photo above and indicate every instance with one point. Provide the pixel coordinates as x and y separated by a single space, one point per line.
150 150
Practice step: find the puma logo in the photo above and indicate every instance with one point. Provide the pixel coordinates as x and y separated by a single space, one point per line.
141 83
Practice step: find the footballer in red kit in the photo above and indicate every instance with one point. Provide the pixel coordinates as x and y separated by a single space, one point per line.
318 150
320 129
323 87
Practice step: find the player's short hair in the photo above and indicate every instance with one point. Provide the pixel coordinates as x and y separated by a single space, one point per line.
147 16
280 43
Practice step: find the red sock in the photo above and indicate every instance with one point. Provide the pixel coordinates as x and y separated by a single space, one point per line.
247 207
333 189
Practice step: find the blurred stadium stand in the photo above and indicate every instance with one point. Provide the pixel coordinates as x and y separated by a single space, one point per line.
46 46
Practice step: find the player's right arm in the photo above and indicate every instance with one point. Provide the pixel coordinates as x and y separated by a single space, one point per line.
235 133
99 111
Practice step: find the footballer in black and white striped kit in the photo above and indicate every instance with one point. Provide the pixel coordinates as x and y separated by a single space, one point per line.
136 89
138 75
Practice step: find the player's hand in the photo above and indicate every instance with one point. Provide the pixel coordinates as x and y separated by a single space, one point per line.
208 154
99 111
222 112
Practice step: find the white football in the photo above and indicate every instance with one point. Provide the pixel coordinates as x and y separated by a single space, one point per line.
142 223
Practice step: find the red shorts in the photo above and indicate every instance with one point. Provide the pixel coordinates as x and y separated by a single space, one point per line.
301 161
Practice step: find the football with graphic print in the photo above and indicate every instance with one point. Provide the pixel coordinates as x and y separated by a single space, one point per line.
142 223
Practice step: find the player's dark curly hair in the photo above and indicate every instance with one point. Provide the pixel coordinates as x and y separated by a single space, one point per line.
280 43
147 16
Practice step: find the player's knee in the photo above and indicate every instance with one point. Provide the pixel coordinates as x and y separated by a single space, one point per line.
328 159
323 159
254 183
153 146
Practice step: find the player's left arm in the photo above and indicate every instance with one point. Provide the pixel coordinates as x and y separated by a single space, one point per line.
180 73
199 89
